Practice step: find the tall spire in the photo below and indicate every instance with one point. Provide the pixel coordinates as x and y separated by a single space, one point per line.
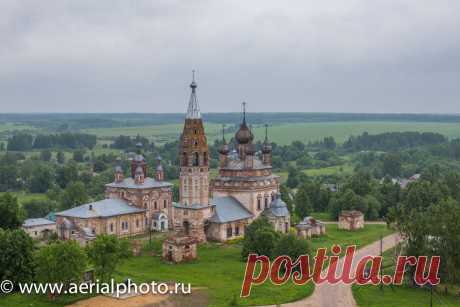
223 135
193 110
244 112
266 133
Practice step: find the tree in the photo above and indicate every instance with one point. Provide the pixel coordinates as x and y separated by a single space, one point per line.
303 203
46 155
60 157
66 174
16 254
79 155
346 200
41 180
391 165
293 177
260 238
292 246
286 197
61 262
10 214
106 252
36 208
74 195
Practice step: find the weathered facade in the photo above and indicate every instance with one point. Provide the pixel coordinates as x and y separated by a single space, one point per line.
309 227
351 220
179 249
39 228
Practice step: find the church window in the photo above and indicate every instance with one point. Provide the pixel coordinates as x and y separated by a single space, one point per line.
205 158
155 204
93 231
266 203
195 131
259 204
229 231
165 203
137 223
195 142
184 159
196 159
145 205
111 227
237 231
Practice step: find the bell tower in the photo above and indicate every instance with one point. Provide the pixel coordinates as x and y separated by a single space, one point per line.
194 156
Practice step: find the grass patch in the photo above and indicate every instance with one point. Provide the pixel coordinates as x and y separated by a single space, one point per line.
322 216
24 197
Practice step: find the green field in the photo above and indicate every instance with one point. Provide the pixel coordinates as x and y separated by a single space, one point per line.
286 133
219 270
24 197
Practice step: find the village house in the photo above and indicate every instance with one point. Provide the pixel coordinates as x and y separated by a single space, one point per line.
351 220
39 228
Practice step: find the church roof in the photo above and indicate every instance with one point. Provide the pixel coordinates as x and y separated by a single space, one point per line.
193 110
228 209
103 208
277 208
129 183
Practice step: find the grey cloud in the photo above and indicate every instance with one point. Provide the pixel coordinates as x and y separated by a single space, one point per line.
339 56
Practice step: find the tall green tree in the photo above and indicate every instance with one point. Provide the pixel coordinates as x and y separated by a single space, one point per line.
74 195
260 238
106 252
16 255
292 246
10 214
61 262
41 179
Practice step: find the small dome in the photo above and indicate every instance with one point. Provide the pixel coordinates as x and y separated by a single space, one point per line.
244 134
118 169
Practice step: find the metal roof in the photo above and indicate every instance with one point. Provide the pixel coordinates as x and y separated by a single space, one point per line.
228 209
129 183
37 222
277 208
103 208
193 110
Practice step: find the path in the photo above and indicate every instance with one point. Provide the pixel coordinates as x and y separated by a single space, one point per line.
326 295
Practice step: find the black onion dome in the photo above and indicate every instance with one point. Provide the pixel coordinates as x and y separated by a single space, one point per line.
244 135
224 149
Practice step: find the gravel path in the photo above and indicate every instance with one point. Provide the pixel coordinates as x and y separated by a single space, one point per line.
326 295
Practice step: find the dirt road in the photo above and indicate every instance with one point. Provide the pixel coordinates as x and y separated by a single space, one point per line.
326 295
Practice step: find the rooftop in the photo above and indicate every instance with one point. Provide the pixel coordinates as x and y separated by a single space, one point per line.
129 183
103 208
228 209
37 222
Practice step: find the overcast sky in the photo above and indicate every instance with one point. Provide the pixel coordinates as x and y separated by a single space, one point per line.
306 55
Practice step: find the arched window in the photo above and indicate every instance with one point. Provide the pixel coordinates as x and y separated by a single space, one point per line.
259 204
196 159
205 158
155 204
266 203
165 203
184 159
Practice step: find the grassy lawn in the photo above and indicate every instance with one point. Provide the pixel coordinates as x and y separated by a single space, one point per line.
322 216
219 269
372 296
324 171
361 237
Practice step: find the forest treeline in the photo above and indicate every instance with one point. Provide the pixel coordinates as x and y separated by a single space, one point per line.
26 142
63 122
